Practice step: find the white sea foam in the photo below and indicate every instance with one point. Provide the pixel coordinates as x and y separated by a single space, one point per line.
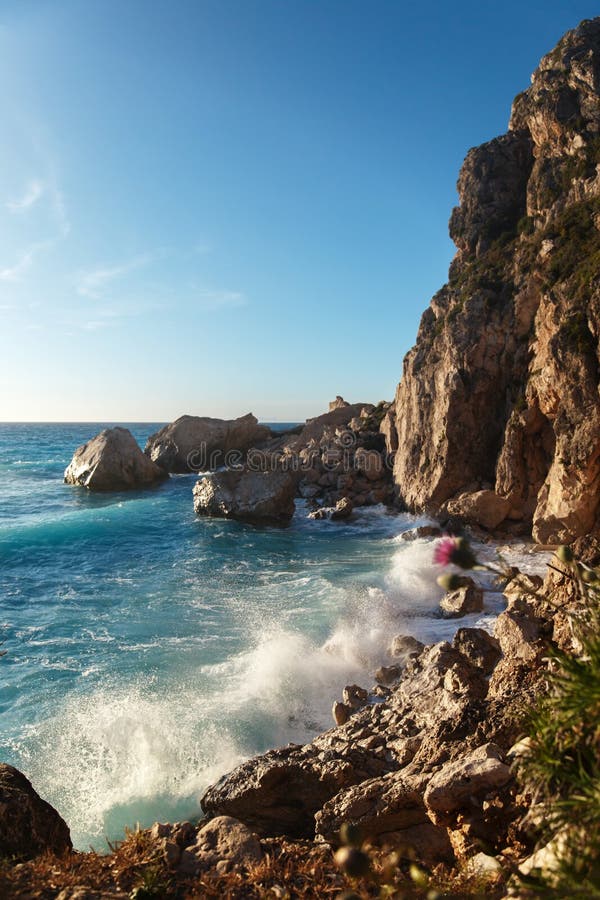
149 749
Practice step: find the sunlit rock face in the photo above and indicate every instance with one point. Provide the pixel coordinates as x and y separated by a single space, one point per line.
500 391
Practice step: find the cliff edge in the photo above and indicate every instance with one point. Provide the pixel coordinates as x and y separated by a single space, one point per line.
500 393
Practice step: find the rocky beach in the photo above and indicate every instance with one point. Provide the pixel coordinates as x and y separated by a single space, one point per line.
492 445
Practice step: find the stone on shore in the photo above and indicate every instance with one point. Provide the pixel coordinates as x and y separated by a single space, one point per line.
466 599
406 645
223 844
112 461
246 495
480 648
341 712
354 696
461 782
279 792
485 508
387 675
386 810
28 825
199 443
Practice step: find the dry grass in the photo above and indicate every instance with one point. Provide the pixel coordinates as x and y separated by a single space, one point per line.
288 871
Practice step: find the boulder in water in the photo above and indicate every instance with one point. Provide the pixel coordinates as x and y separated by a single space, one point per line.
112 461
245 495
199 443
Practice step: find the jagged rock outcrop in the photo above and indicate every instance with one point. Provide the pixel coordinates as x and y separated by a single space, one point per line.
246 495
28 825
341 457
112 461
375 766
199 443
501 392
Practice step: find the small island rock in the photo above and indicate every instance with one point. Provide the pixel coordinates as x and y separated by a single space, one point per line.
199 443
112 461
246 495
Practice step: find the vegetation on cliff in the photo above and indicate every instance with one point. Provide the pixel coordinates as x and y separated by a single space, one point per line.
501 389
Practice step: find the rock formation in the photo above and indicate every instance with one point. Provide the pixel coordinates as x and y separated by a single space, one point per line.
336 462
199 443
223 843
246 495
499 396
341 457
411 769
28 825
112 461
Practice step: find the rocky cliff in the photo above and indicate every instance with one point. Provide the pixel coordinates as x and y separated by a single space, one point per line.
500 393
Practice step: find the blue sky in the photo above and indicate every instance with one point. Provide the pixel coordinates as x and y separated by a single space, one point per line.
220 206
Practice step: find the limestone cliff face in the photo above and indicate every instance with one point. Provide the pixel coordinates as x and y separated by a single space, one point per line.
501 390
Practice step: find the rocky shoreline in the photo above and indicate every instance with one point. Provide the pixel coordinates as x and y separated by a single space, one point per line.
495 426
422 764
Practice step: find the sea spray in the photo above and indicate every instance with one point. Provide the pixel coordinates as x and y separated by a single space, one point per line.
149 652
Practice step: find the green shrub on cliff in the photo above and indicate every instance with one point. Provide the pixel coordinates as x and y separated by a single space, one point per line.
562 769
577 248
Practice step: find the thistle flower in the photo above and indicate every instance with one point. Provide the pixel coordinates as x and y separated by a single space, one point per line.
456 551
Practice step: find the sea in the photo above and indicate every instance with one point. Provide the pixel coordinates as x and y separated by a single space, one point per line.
148 651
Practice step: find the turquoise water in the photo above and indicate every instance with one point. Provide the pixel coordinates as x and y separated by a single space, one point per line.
148 651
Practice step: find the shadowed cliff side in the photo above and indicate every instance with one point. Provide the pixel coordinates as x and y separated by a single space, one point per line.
500 392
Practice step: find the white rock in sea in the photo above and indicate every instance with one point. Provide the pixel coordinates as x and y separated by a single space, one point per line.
112 461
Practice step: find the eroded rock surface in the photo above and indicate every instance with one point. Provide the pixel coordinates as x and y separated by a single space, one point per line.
112 461
246 495
223 844
200 443
499 397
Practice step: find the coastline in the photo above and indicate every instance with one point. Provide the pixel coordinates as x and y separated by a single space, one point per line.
366 765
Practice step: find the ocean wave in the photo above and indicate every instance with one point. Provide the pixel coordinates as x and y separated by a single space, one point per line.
147 750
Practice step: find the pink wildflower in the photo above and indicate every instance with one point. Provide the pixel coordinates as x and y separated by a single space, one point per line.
456 551
444 551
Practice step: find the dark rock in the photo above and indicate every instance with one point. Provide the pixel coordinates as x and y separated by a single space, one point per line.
245 495
28 825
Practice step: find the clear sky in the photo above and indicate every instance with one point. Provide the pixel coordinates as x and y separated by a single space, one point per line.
216 206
